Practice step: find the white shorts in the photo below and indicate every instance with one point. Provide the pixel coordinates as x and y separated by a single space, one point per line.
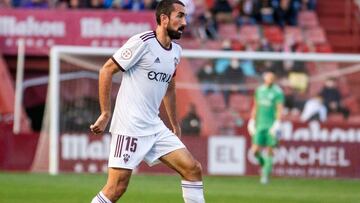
128 151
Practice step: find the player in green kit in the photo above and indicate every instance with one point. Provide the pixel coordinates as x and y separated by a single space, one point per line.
265 121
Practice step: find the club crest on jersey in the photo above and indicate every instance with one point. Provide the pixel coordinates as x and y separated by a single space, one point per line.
126 54
126 157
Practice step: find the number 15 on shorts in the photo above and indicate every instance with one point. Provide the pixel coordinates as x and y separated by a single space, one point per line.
125 144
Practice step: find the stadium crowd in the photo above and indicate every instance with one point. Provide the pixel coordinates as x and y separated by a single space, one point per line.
246 25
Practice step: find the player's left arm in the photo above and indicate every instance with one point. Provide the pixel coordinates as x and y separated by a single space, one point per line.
279 111
170 106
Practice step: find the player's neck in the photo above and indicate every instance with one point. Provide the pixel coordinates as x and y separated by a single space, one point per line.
162 37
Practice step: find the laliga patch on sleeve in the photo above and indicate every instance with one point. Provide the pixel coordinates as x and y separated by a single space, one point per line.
126 54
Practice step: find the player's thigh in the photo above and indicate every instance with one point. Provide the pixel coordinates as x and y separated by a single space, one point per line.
271 141
166 142
259 138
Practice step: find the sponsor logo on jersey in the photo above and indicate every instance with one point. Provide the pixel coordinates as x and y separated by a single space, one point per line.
159 76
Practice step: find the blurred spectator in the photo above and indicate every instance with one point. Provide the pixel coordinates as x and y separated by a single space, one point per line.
207 73
150 4
308 4
232 76
75 4
274 66
247 66
35 4
285 13
6 4
265 45
222 11
247 12
207 77
191 123
332 98
207 26
298 80
96 4
16 3
266 12
294 101
62 4
221 64
133 5
234 73
314 109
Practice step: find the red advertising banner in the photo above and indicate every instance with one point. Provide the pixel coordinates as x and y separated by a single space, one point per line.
314 150
306 150
42 29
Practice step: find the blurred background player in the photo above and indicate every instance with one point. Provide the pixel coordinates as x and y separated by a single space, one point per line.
265 121
149 61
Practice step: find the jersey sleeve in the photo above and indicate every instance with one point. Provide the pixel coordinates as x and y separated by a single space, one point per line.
130 53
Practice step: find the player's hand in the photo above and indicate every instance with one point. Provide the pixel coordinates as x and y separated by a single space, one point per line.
99 126
251 127
275 129
177 130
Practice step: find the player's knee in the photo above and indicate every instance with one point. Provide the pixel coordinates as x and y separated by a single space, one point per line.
193 171
197 168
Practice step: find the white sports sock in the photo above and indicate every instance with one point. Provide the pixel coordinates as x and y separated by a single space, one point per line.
100 198
193 191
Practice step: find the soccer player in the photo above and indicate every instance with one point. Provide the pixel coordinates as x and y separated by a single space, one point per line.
149 61
264 124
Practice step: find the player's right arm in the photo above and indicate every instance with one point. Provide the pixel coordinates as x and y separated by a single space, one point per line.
123 59
105 82
253 110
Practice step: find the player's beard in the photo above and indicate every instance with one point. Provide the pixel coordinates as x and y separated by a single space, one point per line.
175 34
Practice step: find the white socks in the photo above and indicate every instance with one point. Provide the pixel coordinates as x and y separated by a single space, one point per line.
100 198
193 191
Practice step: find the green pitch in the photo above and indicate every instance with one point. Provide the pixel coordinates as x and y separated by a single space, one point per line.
76 188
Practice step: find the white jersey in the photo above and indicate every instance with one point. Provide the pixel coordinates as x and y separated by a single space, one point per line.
148 68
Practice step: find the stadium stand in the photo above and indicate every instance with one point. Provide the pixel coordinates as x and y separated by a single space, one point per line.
269 29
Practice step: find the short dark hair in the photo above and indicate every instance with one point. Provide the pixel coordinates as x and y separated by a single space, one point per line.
166 7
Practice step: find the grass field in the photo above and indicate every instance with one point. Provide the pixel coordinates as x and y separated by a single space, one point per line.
76 188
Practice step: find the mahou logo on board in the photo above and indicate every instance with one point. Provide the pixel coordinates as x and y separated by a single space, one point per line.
80 147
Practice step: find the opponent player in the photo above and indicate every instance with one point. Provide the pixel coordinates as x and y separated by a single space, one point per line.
264 124
149 62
